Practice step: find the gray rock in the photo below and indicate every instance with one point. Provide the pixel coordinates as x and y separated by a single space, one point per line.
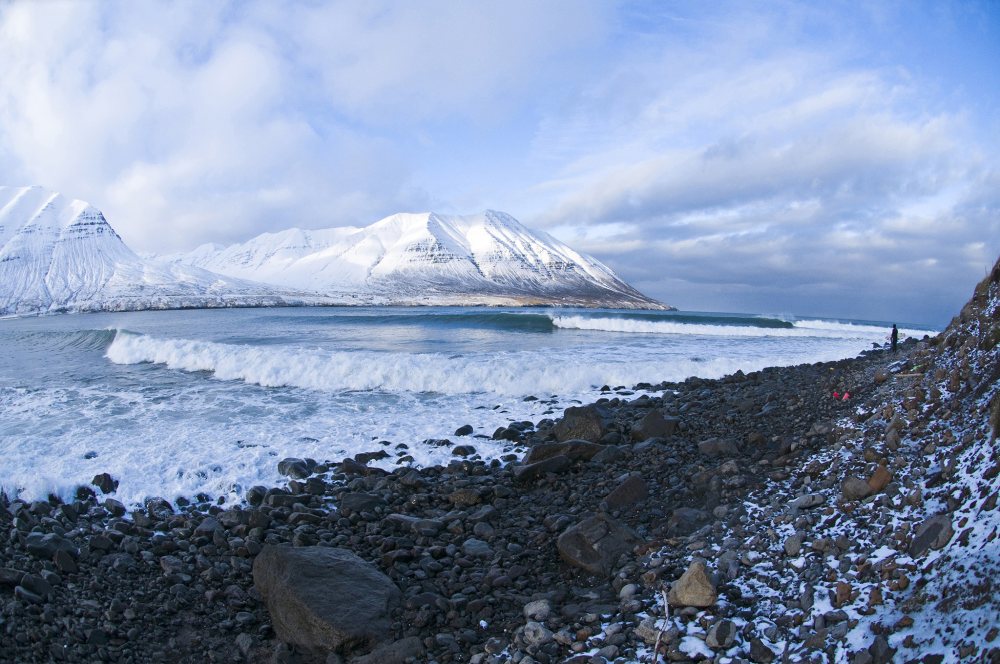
25 595
808 500
10 577
793 545
406 522
595 544
294 468
324 599
582 422
45 545
244 643
933 533
105 483
855 488
721 635
539 610
360 502
631 490
654 425
686 520
207 527
535 634
715 447
533 471
694 588
397 652
576 450
256 494
36 584
880 651
760 652
477 548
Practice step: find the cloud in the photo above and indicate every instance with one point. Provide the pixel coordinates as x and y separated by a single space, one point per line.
774 156
754 175
182 120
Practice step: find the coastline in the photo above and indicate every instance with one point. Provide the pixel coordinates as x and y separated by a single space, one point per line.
755 474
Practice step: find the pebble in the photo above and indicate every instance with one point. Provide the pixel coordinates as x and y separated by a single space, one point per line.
474 552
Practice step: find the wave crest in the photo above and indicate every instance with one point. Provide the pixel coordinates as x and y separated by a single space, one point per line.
801 328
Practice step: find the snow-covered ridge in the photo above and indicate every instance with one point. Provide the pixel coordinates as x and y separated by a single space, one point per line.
427 258
59 254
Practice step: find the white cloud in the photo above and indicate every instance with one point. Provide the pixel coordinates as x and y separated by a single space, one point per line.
721 156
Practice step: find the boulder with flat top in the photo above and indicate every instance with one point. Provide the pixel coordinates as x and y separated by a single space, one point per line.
323 599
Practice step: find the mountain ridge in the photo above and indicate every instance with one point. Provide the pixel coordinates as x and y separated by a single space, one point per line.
59 254
408 256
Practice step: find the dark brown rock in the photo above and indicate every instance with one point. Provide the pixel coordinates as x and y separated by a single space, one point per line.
654 425
595 544
532 471
582 422
714 447
572 449
631 490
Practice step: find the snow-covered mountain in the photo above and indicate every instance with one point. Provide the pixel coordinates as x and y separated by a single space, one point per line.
427 258
58 254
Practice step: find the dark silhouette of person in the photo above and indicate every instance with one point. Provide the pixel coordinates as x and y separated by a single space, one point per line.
894 337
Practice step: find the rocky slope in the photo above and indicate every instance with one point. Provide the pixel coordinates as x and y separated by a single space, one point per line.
58 254
752 518
427 258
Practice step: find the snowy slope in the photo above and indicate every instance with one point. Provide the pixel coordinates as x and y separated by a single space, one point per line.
58 254
427 258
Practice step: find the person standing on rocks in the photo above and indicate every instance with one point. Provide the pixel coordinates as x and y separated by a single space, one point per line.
894 337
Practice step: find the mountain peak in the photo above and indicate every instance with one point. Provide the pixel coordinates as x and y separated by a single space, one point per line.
62 254
429 257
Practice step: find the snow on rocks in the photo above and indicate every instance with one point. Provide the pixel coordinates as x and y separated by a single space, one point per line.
898 566
800 571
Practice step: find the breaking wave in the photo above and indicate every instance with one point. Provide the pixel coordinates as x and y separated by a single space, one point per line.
767 328
509 373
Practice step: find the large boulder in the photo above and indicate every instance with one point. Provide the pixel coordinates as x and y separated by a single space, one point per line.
532 471
715 447
572 449
324 599
588 423
595 544
654 425
932 533
631 489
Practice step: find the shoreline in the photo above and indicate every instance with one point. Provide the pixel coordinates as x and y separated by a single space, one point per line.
564 556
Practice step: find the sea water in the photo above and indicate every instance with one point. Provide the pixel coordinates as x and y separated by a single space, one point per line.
180 403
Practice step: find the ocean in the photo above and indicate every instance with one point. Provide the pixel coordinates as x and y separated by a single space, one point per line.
181 403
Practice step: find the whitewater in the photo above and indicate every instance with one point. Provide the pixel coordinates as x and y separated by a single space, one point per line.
181 403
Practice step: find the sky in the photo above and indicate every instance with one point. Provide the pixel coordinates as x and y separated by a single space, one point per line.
835 159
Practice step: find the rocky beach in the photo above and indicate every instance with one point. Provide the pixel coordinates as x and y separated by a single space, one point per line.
841 511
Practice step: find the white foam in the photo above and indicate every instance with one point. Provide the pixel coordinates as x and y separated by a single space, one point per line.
178 416
515 373
801 328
